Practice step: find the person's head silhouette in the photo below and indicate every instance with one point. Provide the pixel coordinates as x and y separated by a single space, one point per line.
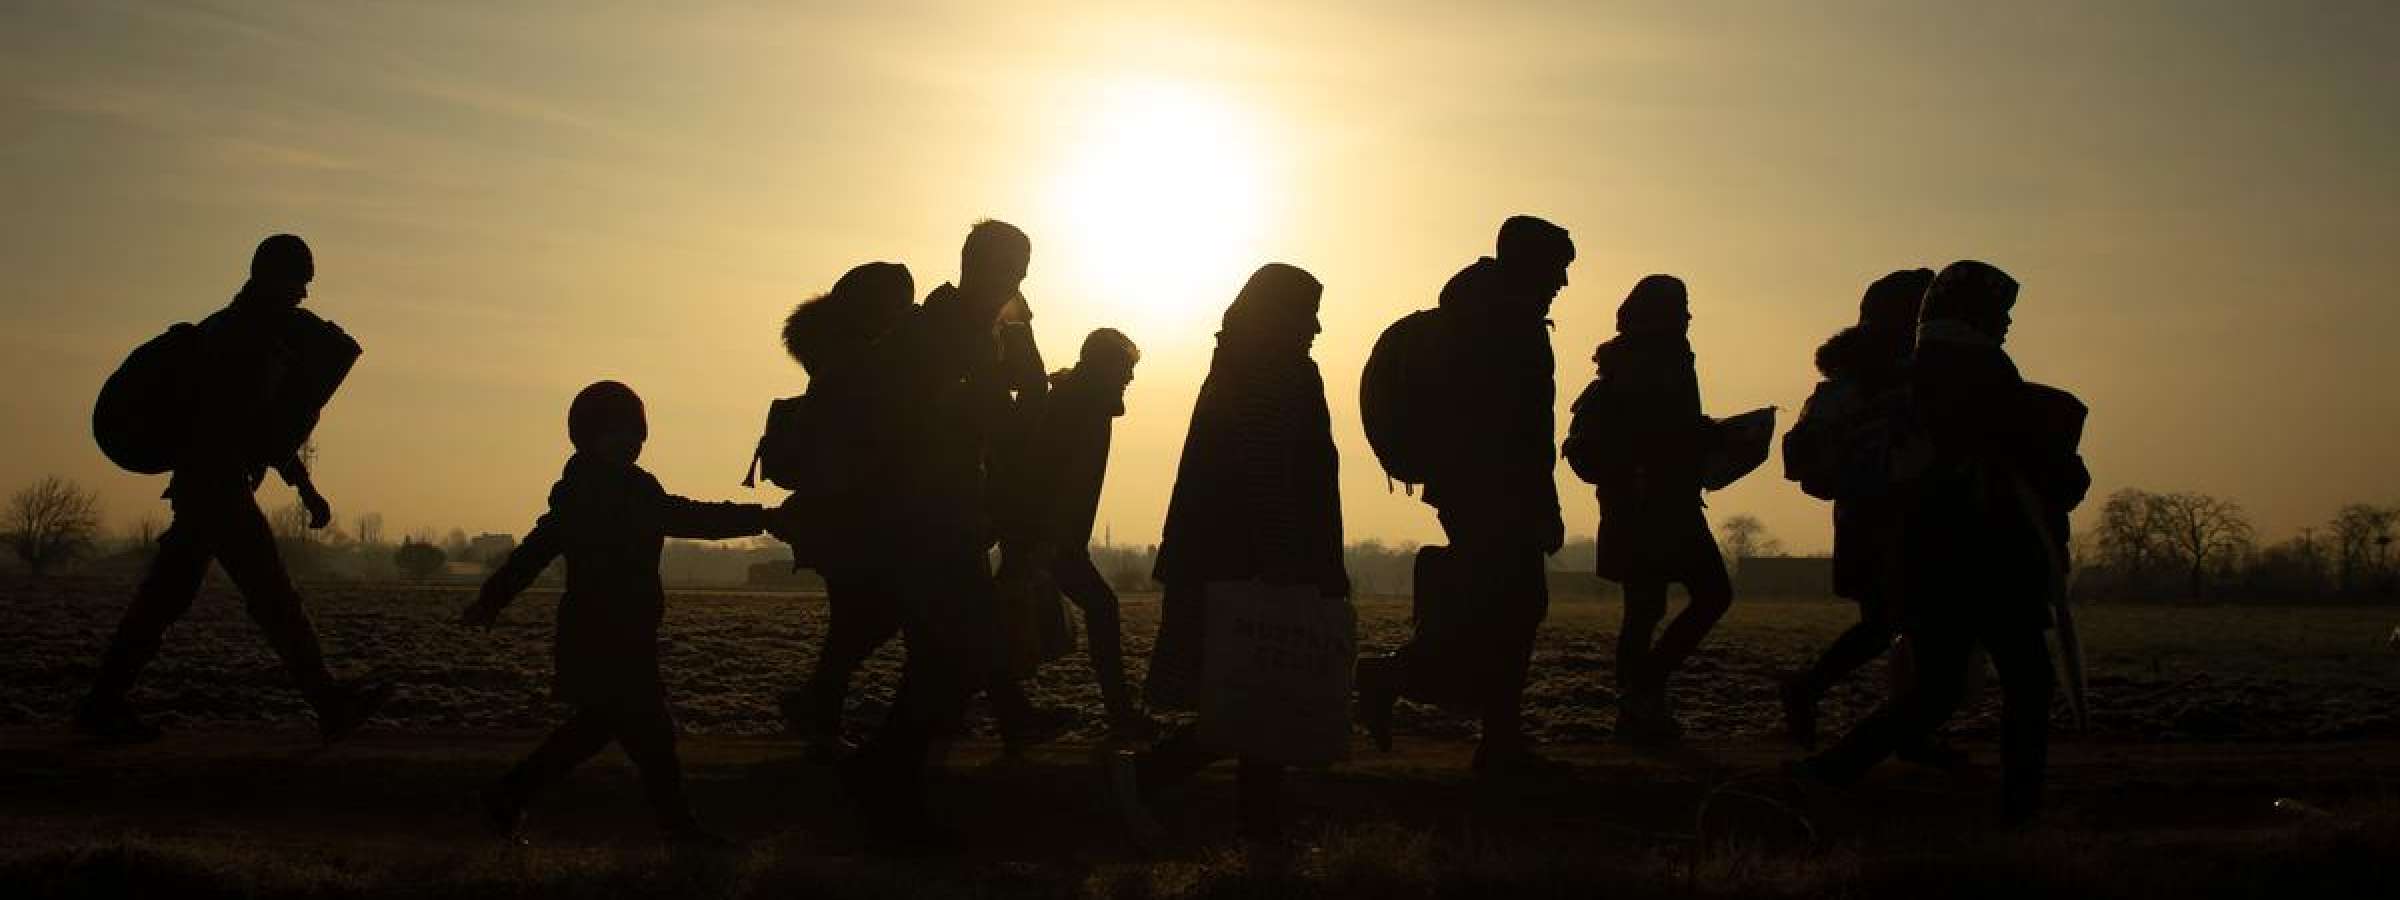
867 302
606 421
1109 355
994 258
1657 305
1277 305
1533 256
280 270
1893 302
1975 293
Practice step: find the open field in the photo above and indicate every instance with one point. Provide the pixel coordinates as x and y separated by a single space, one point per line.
2222 672
2236 751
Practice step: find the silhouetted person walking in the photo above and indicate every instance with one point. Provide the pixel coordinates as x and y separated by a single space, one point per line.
1257 498
1641 440
610 519
956 363
841 340
1052 488
248 395
1840 450
1493 485
1984 543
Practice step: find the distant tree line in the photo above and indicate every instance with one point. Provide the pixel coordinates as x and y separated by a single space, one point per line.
2192 547
2144 546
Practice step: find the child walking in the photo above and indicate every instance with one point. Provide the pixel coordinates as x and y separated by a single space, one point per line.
610 519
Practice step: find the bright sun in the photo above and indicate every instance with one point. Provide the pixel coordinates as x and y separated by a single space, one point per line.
1164 198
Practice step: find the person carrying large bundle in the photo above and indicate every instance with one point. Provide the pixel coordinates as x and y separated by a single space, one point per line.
1256 631
1461 398
217 405
1984 536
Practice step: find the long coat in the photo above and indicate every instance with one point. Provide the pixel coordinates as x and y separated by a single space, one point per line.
1258 491
1647 460
1257 496
611 521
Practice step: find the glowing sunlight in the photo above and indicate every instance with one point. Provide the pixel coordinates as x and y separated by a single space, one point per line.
1163 192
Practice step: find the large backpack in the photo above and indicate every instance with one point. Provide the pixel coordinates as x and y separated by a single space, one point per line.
788 452
143 418
1397 396
1587 448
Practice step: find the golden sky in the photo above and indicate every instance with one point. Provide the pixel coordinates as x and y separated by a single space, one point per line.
507 203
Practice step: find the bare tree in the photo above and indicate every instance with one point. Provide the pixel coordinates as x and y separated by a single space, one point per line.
370 529
2128 539
50 523
1746 538
2202 532
144 533
2362 544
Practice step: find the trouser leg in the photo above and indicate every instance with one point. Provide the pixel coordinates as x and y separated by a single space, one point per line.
165 595
1711 595
946 621
246 549
1496 561
1857 646
1645 606
864 613
1104 640
645 728
1910 716
2022 658
582 736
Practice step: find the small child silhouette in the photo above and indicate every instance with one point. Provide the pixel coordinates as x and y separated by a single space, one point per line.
610 519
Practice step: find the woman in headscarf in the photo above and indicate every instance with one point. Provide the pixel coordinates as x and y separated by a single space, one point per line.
1257 498
1647 460
1984 536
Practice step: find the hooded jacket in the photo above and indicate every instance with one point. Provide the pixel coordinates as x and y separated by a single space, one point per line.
1864 368
1052 494
1499 411
611 521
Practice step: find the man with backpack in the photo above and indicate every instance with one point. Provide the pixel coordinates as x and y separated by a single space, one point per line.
250 381
1484 446
1840 450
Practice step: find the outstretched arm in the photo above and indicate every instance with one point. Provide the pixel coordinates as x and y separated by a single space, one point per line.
515 575
679 517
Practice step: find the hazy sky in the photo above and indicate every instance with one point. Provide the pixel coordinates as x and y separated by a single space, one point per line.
507 203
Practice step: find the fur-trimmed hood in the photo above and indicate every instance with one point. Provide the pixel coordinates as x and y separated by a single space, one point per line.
1861 351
